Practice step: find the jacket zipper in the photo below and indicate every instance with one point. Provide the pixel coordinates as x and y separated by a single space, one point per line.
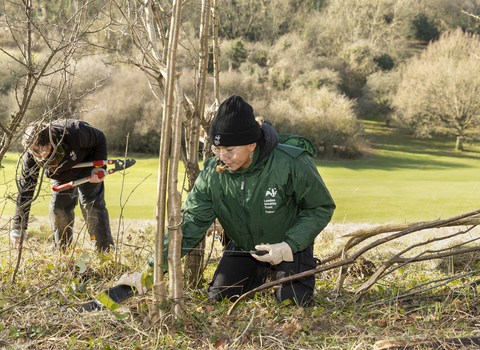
242 187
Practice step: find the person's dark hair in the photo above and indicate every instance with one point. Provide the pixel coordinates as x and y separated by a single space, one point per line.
37 139
37 134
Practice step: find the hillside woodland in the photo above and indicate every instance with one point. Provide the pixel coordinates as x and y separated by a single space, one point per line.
311 67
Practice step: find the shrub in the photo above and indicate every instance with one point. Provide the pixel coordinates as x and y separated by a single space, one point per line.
424 29
439 89
127 106
236 54
325 117
378 94
360 63
384 61
316 79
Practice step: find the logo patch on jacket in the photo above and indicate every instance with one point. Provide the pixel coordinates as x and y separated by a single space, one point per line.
73 155
270 203
271 192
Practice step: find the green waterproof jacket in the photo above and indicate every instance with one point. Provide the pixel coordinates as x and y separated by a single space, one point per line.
280 198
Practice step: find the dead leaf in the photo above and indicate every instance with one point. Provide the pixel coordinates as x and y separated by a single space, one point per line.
299 312
382 323
292 327
218 343
92 237
206 308
458 305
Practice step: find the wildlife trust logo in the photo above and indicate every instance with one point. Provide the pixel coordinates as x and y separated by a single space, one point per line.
271 192
73 155
270 203
217 140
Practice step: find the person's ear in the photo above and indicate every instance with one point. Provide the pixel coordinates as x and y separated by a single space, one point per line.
251 147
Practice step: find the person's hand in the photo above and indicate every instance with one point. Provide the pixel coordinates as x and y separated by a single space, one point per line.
15 236
276 253
95 179
134 280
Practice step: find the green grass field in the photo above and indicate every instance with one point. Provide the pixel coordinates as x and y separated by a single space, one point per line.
405 180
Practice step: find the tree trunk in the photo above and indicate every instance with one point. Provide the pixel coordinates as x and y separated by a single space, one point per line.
175 203
194 260
216 49
459 144
175 233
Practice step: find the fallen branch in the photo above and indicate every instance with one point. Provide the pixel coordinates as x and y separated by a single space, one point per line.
360 235
396 259
348 261
439 344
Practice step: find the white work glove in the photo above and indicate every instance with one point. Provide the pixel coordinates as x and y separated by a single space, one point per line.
134 280
15 236
277 253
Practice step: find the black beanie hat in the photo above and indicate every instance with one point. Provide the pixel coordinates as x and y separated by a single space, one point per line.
235 124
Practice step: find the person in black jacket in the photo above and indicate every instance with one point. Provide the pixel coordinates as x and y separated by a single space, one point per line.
56 150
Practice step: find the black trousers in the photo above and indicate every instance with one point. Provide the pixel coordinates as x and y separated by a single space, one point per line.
94 211
238 272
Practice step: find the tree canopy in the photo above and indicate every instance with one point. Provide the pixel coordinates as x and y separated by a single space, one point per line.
440 88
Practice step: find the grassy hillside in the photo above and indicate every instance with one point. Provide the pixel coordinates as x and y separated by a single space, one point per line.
404 179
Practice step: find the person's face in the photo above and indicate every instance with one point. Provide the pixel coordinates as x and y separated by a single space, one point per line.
235 157
41 153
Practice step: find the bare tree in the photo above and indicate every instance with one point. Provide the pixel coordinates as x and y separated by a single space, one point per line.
43 56
145 23
439 90
195 257
171 94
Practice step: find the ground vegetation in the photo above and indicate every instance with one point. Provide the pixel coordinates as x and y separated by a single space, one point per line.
42 308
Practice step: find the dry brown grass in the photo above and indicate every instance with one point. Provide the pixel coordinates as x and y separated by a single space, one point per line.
38 310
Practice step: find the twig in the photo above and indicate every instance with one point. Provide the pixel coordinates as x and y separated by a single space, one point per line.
456 277
117 251
246 328
2 311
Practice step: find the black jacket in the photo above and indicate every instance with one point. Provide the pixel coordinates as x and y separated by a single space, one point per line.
80 142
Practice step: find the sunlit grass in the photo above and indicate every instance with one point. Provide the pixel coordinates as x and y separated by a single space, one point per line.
405 180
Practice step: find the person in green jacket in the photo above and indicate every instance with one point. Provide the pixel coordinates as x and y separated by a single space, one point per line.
267 196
